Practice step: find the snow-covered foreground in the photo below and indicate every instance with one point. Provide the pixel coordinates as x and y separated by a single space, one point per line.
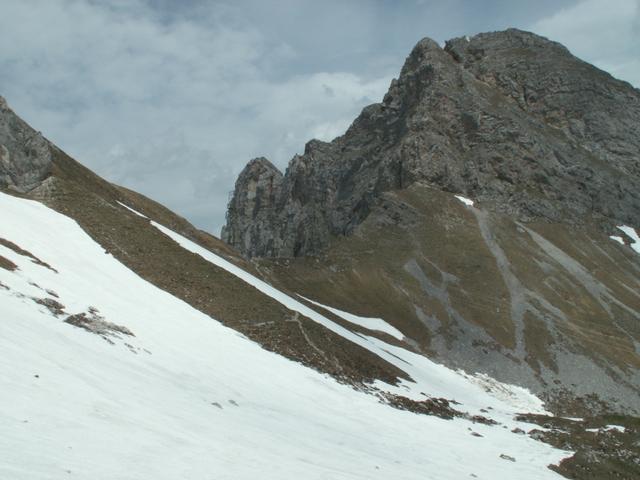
191 399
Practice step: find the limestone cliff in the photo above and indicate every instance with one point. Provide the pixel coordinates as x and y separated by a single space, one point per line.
509 118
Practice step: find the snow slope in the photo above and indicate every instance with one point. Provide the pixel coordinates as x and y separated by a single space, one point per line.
188 398
428 376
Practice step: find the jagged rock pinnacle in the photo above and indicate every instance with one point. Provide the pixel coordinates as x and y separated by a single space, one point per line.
25 155
257 187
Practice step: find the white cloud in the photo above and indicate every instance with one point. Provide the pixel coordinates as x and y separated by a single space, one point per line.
606 34
173 98
172 109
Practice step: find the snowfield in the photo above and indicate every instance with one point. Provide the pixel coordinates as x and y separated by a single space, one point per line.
187 398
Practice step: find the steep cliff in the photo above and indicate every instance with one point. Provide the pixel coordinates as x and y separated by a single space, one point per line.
509 118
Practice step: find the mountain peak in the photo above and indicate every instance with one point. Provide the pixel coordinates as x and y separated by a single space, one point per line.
425 47
258 170
509 38
427 53
508 117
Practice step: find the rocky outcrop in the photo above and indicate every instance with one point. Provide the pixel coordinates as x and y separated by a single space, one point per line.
25 155
253 205
509 118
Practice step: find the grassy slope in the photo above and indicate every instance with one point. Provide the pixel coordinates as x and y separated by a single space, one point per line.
577 296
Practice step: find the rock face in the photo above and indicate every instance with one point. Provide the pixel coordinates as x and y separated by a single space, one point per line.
25 155
510 119
257 190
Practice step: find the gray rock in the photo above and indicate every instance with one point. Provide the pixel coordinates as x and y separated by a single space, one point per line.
253 205
25 155
510 119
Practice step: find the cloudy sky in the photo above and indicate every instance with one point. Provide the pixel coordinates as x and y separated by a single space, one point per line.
171 98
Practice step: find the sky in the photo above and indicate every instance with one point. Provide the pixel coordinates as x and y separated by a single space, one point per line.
172 98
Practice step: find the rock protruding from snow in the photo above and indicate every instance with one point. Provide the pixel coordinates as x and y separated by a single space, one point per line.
510 118
25 155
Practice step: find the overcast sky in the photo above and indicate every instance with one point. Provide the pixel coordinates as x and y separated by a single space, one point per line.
171 98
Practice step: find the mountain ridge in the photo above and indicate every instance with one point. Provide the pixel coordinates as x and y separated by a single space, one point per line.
446 122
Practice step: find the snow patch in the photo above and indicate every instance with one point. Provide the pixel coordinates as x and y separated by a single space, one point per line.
618 428
132 210
465 200
607 428
369 323
631 233
617 239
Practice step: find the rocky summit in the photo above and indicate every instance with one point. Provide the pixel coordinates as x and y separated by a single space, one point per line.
509 118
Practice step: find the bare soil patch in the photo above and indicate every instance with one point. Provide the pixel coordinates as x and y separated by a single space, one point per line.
25 253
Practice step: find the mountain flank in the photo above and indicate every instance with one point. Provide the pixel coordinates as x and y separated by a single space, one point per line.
98 206
525 281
